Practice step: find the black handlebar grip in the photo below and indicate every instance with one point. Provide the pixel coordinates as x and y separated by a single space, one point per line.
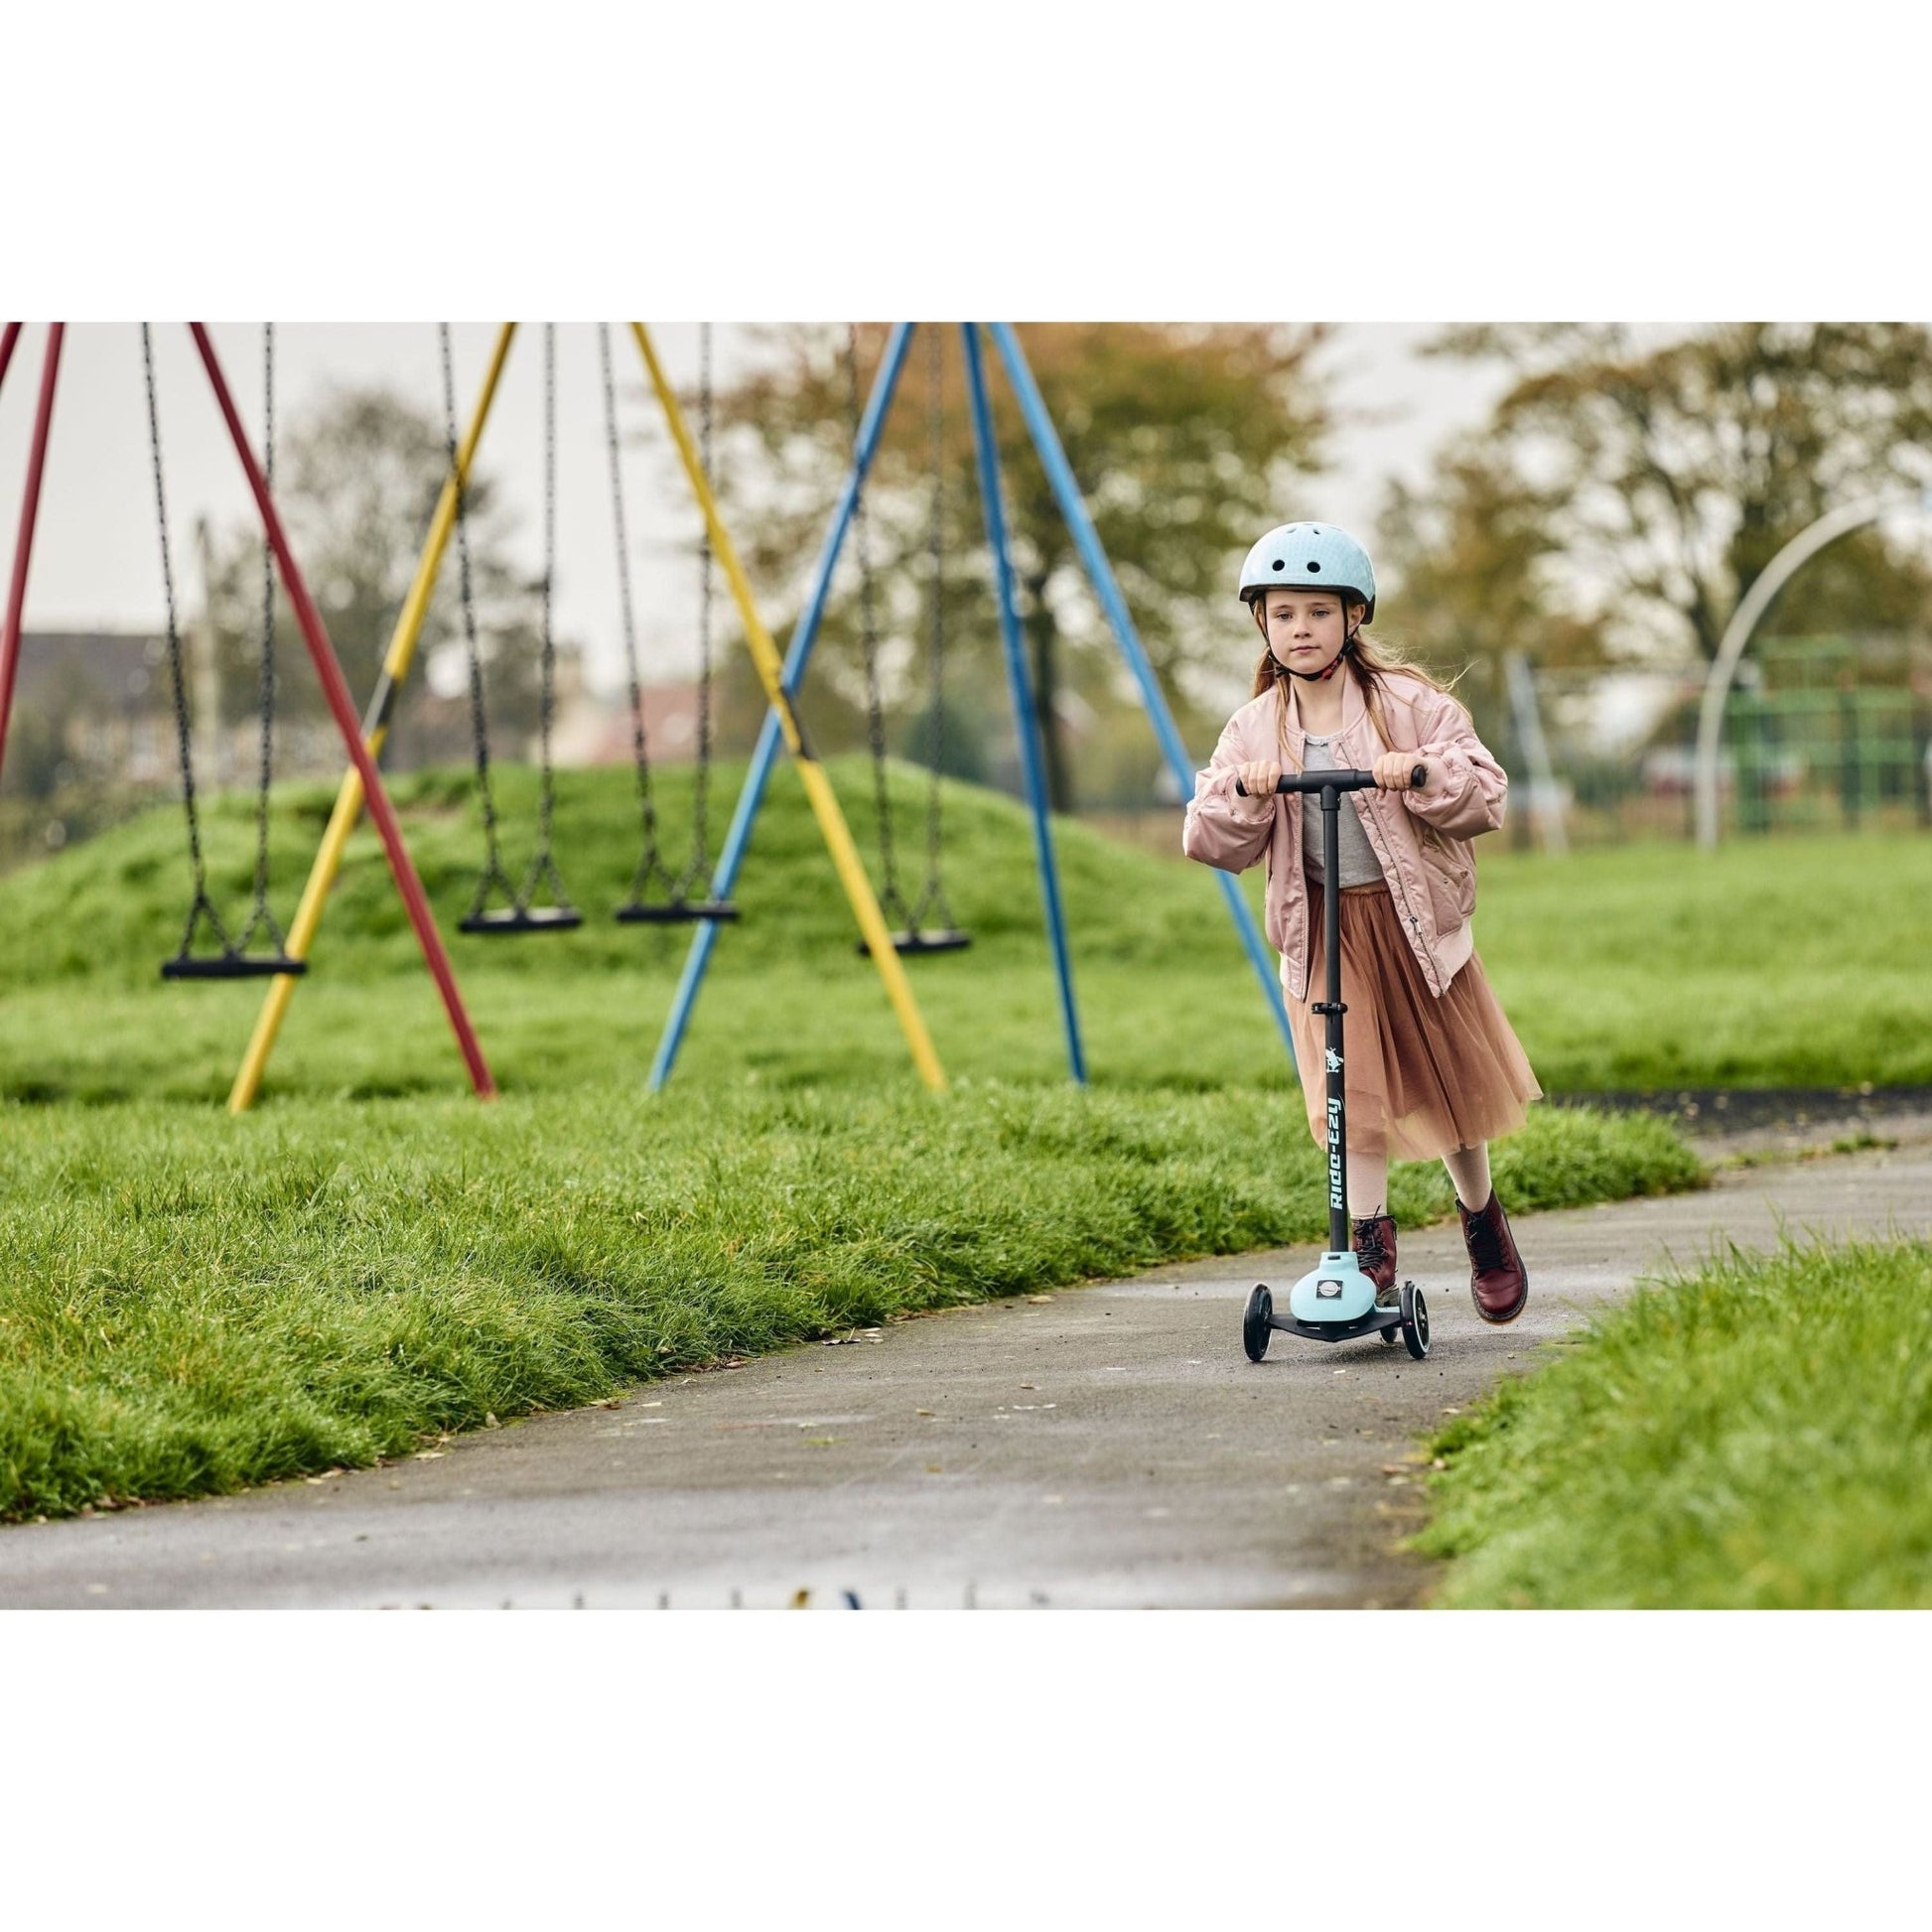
1418 782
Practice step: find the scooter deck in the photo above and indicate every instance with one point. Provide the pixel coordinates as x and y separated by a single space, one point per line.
1370 1323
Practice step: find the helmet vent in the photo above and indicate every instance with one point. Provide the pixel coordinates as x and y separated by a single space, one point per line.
1314 569
1279 565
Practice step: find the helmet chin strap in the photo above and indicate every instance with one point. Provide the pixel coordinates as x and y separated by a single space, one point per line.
1328 671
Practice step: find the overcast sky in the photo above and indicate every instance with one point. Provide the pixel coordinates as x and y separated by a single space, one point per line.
96 559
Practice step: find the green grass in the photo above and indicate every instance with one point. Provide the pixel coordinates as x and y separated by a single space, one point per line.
1787 962
197 1303
1798 962
1754 1436
192 1307
1167 995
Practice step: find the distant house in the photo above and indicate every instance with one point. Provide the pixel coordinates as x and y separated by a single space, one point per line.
598 731
106 694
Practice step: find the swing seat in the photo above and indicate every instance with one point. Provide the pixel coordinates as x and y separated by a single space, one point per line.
677 911
522 918
941 939
231 966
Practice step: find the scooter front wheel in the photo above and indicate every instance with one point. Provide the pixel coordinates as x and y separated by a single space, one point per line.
1255 1329
1415 1320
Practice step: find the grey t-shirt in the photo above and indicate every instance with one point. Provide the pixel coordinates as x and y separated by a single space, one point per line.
1359 864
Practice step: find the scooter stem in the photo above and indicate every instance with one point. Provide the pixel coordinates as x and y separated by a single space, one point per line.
1331 785
1333 1008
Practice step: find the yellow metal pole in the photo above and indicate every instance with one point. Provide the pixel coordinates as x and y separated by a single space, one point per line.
375 727
818 789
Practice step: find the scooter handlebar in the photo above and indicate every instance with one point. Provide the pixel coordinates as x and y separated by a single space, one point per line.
1341 780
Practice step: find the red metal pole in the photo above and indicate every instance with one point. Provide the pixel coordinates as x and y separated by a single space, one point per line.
337 691
7 341
29 511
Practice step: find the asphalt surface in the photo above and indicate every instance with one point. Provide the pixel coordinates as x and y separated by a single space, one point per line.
1104 1446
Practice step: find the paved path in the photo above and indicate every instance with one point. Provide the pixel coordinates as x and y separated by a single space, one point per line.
1099 1447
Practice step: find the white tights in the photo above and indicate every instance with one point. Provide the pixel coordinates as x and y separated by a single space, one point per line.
1368 1181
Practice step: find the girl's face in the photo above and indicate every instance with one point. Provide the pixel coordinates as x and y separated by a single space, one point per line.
1305 628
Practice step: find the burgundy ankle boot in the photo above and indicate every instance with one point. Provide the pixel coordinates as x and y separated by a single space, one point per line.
1498 1281
1375 1250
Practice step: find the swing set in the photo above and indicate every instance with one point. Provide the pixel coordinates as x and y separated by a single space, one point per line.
362 785
848 518
234 960
660 893
229 962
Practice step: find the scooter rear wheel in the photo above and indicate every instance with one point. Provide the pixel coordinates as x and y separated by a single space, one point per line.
1254 1322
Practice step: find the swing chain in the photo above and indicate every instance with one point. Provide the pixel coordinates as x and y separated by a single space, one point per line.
260 918
203 906
890 898
543 863
492 877
651 866
699 870
932 895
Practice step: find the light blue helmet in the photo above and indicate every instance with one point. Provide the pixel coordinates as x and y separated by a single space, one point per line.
1309 557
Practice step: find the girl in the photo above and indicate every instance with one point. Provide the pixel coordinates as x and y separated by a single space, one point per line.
1432 1066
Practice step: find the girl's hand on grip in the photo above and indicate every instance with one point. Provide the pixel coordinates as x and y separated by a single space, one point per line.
1394 769
1260 776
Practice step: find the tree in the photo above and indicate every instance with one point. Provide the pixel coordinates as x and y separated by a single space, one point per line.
1186 443
1634 492
357 481
1473 558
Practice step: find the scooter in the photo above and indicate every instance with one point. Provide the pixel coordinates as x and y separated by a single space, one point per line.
1334 1301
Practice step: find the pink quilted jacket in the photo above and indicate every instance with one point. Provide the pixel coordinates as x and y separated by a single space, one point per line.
1421 837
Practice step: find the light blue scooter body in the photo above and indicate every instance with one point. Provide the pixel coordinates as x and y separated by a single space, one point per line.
1336 1290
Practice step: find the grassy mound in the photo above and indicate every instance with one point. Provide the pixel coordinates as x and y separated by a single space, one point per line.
1754 1436
1167 995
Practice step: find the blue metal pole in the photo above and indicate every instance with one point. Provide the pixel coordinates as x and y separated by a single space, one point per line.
1021 680
1101 576
797 654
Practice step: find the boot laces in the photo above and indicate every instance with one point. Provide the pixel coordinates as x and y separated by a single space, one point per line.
1370 1249
1484 1235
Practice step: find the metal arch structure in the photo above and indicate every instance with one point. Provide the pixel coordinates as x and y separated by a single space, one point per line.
1745 620
1100 577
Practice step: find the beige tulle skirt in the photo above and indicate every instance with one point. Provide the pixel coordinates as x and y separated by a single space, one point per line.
1422 1076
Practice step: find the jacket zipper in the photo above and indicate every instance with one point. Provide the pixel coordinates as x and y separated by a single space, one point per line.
1409 911
1414 924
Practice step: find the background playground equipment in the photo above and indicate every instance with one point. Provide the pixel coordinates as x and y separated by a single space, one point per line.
1828 733
782 719
1750 613
1101 579
235 960
327 671
523 913
927 924
677 908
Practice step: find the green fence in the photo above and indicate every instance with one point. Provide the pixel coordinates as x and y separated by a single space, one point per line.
1830 733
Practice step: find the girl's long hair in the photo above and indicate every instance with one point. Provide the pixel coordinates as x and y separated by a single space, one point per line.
1367 661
